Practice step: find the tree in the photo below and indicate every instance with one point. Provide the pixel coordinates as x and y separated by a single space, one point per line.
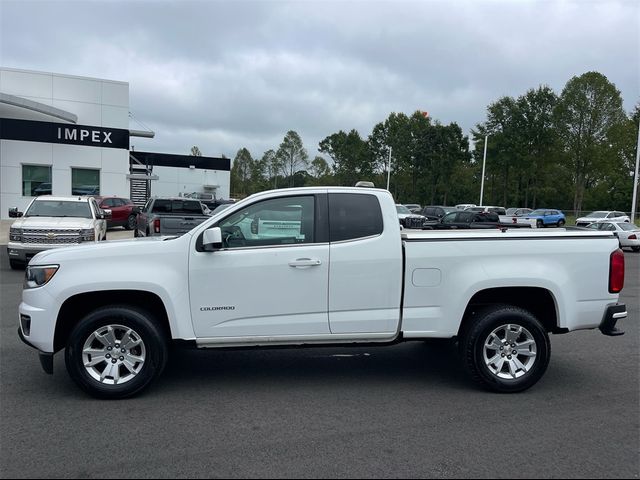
590 107
350 155
272 167
195 151
241 172
292 155
319 170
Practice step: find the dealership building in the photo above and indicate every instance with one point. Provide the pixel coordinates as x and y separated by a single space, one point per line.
69 135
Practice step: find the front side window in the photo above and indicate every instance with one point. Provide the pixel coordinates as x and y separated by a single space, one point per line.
353 215
36 180
278 221
85 181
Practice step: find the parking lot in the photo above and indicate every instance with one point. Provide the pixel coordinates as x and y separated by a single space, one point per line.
402 411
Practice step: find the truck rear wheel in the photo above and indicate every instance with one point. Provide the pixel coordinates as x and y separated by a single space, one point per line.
506 349
115 352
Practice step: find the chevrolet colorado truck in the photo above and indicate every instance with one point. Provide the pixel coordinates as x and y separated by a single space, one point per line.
318 266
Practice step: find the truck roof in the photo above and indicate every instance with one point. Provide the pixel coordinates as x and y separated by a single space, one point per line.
75 198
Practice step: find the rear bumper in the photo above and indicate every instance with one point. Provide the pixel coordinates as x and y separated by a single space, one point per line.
612 314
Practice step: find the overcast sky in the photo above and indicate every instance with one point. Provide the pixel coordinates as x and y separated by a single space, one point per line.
227 75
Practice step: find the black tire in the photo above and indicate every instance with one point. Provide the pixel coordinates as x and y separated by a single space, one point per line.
131 222
135 233
17 264
490 320
539 224
561 223
144 326
104 239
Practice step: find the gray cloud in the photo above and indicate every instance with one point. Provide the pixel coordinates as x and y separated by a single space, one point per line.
226 75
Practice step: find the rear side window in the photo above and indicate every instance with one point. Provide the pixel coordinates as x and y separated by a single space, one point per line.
177 206
466 217
353 216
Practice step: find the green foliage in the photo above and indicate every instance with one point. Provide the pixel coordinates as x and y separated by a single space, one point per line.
352 160
292 156
570 151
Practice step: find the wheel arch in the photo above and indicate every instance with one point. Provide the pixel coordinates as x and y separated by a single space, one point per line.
78 306
539 301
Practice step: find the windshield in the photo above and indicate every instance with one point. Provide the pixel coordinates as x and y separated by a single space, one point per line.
219 208
450 209
627 226
59 208
597 215
403 209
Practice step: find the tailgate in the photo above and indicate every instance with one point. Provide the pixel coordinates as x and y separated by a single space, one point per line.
179 225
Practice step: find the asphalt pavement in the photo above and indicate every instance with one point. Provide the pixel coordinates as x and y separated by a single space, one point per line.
407 410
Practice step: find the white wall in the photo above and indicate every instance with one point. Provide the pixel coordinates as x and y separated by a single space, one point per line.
102 103
173 181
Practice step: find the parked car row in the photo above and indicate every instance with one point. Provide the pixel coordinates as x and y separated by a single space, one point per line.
53 221
628 234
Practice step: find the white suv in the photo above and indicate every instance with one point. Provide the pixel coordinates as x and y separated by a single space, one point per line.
52 222
602 216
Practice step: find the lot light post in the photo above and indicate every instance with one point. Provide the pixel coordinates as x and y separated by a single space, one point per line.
389 169
484 162
635 180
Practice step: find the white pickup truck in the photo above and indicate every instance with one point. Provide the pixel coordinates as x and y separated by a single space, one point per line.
318 266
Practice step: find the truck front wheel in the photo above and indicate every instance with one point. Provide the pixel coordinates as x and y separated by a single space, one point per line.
115 352
506 349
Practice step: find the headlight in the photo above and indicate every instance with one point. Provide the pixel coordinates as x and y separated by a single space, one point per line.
15 234
38 276
88 235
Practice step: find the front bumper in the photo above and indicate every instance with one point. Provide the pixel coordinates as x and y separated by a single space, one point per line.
612 314
46 359
24 253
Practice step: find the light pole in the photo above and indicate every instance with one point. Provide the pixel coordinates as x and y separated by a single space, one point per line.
389 169
484 162
635 180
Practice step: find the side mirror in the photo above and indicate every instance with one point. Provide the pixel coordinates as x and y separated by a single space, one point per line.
14 213
106 214
212 239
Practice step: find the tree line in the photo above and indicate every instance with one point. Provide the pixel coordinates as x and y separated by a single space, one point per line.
574 151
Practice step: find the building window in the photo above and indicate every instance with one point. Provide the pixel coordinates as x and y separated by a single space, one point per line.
85 181
36 180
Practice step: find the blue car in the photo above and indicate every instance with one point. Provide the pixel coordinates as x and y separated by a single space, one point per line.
546 217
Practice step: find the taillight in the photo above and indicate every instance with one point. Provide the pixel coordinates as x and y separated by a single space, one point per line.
633 237
156 225
616 271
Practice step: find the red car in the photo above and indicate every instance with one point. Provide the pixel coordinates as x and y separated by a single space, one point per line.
123 211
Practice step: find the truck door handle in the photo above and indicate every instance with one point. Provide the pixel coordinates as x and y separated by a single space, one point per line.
305 262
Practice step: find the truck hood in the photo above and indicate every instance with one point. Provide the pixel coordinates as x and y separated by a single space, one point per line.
114 250
54 223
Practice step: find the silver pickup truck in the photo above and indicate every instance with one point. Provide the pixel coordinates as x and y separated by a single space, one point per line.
169 216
